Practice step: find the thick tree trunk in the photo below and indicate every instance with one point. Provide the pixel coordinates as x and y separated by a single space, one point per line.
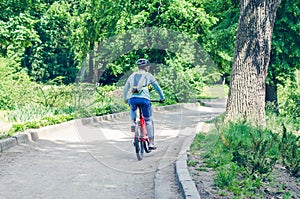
246 98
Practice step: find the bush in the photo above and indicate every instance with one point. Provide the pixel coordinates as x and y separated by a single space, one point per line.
289 102
244 156
14 85
109 100
290 152
181 81
254 150
45 121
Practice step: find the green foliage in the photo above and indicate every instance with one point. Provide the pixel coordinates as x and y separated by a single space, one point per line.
109 101
290 152
45 121
57 35
53 94
253 149
16 33
13 85
219 41
180 81
29 112
243 156
91 100
196 145
52 57
192 163
289 99
285 51
226 176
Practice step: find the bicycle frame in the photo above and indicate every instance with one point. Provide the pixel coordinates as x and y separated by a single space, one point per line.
141 141
144 136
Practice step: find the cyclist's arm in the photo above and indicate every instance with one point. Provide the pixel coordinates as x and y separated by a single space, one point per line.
158 90
125 90
156 87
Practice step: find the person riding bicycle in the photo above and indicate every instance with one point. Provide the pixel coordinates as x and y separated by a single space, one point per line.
138 85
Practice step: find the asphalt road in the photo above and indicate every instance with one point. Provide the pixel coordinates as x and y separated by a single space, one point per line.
97 160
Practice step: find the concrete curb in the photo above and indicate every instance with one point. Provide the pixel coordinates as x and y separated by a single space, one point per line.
7 143
186 184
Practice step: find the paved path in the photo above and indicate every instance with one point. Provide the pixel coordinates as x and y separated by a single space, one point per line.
97 160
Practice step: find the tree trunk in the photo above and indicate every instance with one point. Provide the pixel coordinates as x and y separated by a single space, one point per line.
97 62
246 98
91 64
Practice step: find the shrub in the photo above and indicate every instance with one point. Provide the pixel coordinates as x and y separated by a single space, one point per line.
242 155
45 121
180 80
14 85
290 152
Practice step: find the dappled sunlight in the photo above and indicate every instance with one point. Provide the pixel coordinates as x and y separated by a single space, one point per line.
114 135
167 134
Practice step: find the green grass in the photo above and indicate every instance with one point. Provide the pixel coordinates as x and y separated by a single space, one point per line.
244 156
36 115
214 91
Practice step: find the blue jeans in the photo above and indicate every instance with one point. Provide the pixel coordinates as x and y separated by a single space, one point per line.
146 110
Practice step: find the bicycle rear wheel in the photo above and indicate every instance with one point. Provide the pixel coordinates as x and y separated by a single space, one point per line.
139 146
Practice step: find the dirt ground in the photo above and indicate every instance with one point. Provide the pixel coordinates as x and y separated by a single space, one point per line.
282 186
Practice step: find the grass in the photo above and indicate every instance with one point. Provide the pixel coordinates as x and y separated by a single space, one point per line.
36 115
215 91
244 156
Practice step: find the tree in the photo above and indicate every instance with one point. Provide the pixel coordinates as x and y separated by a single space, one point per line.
246 98
94 22
284 60
185 16
53 57
220 38
285 49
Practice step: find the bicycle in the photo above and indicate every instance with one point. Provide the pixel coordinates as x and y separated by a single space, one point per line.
141 141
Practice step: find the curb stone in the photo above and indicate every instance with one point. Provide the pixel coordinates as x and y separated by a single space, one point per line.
7 143
23 138
186 184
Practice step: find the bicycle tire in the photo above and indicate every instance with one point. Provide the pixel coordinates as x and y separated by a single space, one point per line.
139 146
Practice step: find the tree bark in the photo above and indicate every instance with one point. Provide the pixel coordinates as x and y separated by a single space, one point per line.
246 98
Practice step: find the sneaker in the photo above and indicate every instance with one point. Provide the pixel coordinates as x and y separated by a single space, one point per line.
151 146
132 129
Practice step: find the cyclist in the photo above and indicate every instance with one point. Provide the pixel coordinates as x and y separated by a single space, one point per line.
138 85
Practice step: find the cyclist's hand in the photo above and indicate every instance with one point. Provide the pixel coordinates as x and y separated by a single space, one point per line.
162 101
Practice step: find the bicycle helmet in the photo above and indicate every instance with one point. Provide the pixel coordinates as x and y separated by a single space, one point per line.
141 63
